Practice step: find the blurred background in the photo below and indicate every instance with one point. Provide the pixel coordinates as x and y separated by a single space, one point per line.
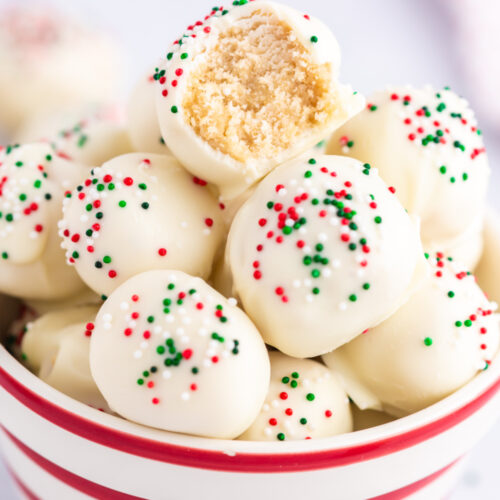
440 42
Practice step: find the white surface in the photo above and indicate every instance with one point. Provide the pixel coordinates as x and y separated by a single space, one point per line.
388 41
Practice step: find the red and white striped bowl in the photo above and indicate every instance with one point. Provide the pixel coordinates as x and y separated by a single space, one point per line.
57 448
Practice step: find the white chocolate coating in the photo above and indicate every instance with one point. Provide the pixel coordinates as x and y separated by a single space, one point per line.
92 141
305 401
320 252
170 352
33 183
56 347
50 61
466 248
488 270
429 149
142 118
85 297
139 212
44 333
432 346
231 173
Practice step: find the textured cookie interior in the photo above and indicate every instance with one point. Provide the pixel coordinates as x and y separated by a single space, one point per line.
257 90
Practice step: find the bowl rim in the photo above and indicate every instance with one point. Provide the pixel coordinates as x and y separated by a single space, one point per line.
245 456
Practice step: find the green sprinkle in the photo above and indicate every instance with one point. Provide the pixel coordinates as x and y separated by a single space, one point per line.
428 341
451 294
314 39
174 109
310 397
303 421
281 436
353 298
122 203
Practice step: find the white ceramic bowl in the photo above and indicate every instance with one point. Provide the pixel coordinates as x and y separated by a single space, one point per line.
58 448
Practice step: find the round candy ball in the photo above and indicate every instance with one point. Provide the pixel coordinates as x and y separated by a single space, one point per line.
248 88
56 347
33 182
51 61
170 352
305 401
488 270
320 252
139 212
432 346
426 143
142 119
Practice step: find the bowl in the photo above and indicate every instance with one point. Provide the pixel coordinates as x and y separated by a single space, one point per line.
56 447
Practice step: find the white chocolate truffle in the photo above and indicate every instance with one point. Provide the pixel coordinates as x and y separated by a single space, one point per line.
466 248
170 352
56 347
249 88
427 145
428 349
140 212
322 251
92 141
45 333
488 270
305 401
33 182
142 118
50 61
85 297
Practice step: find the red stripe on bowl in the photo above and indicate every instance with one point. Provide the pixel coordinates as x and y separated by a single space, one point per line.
406 491
74 481
240 462
98 491
21 486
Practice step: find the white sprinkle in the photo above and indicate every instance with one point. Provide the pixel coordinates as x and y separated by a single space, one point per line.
185 396
297 283
232 301
137 354
124 306
343 306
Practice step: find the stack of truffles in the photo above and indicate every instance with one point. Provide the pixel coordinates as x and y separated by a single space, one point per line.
206 268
